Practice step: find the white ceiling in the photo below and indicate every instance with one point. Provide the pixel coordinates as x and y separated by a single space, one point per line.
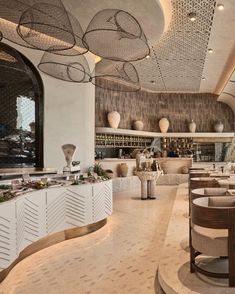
179 48
179 56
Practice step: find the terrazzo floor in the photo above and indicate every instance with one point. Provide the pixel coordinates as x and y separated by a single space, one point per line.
122 257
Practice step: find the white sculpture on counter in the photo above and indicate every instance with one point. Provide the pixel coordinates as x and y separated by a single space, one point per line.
143 160
69 150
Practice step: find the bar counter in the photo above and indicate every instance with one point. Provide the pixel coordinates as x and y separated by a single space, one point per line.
170 165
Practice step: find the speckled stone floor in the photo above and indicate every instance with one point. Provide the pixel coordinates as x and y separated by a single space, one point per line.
120 258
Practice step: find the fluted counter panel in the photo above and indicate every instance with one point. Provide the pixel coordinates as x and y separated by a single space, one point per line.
37 214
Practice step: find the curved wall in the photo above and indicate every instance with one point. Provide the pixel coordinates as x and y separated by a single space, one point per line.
151 107
228 94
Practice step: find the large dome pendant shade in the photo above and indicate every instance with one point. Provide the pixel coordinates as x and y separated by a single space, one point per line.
116 76
41 24
116 35
66 68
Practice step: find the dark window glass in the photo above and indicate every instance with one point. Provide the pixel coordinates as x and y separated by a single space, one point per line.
21 102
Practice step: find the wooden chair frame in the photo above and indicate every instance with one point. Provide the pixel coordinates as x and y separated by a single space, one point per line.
214 218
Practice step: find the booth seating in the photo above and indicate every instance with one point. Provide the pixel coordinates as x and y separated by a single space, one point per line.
212 233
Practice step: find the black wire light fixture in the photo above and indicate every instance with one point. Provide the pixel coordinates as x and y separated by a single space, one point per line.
112 34
41 24
116 76
10 13
80 46
73 68
116 35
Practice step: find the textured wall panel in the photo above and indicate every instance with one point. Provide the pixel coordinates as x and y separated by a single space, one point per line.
55 210
68 208
78 206
7 234
37 214
101 201
151 107
30 219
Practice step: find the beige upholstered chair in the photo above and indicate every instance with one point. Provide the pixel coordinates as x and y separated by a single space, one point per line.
196 168
198 173
212 233
203 182
205 192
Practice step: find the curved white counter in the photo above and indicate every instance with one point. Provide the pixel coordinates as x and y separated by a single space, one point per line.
45 217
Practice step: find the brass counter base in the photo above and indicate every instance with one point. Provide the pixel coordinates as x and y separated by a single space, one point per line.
51 240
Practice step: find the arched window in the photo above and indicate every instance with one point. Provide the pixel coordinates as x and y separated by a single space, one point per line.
21 111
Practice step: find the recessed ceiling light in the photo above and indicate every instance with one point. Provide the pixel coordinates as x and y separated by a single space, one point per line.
220 6
192 16
148 56
210 50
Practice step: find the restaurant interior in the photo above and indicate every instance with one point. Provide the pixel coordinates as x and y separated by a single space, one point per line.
117 146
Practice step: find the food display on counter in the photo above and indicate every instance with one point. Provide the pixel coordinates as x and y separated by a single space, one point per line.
18 187
6 193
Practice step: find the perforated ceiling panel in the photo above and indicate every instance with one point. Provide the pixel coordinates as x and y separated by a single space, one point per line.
177 59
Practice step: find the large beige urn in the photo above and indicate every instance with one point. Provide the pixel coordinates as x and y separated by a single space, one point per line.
164 125
114 119
122 170
192 126
218 126
138 125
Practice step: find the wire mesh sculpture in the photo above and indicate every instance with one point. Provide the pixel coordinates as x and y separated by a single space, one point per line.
80 46
41 24
10 13
116 76
67 68
116 35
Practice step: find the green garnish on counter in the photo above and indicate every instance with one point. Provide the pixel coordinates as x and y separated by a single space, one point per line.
5 187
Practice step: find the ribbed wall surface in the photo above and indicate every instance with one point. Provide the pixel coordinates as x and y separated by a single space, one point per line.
151 107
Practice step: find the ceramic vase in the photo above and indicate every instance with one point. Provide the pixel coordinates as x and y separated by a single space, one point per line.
138 125
114 119
184 169
123 169
109 173
164 125
192 126
219 127
164 153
